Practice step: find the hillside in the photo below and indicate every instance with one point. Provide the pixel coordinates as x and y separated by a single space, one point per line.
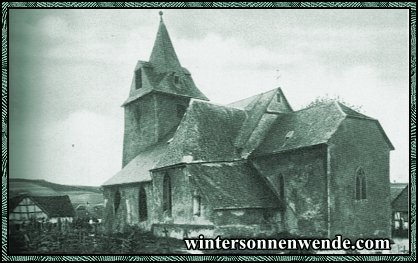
77 194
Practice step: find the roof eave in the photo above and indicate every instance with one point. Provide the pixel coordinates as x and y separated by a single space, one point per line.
254 156
128 183
156 169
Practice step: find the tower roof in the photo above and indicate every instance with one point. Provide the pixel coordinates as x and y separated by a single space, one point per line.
163 56
163 72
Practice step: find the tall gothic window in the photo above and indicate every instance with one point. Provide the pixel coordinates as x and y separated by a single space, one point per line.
167 198
197 205
361 191
116 203
138 79
142 205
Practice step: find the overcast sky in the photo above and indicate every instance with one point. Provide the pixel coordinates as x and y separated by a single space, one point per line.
70 70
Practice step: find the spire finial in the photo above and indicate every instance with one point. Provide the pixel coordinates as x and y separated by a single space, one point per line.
161 15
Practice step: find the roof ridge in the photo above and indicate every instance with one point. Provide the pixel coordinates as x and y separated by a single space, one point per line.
163 55
196 101
319 104
256 95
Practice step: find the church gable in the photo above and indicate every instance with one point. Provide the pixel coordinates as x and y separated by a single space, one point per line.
262 111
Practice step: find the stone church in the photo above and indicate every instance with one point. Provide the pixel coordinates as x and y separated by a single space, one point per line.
252 168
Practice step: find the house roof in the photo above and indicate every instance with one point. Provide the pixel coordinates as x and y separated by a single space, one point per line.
53 206
232 185
206 133
14 202
247 103
265 97
401 201
255 111
350 112
138 169
262 110
307 127
396 189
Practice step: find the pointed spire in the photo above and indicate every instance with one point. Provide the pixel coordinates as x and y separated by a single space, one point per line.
163 56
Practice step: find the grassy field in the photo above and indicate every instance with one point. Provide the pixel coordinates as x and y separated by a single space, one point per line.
78 194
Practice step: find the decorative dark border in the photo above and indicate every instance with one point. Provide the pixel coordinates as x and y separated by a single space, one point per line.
380 5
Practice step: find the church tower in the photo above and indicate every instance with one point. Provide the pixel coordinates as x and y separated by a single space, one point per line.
160 93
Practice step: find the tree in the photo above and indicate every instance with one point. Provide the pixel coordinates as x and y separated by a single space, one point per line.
326 99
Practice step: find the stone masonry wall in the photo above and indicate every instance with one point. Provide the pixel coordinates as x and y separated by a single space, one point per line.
140 127
127 214
305 193
359 143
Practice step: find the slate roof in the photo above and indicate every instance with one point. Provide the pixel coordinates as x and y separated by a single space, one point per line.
247 103
138 169
259 118
232 185
255 110
163 55
158 74
163 82
352 113
206 133
307 127
261 98
53 206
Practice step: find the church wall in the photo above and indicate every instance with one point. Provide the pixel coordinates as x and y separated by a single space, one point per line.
246 222
359 143
168 118
182 218
127 214
305 193
140 127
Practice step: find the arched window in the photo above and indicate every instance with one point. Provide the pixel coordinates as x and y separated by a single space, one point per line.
142 205
361 191
281 188
197 205
167 194
138 79
117 200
